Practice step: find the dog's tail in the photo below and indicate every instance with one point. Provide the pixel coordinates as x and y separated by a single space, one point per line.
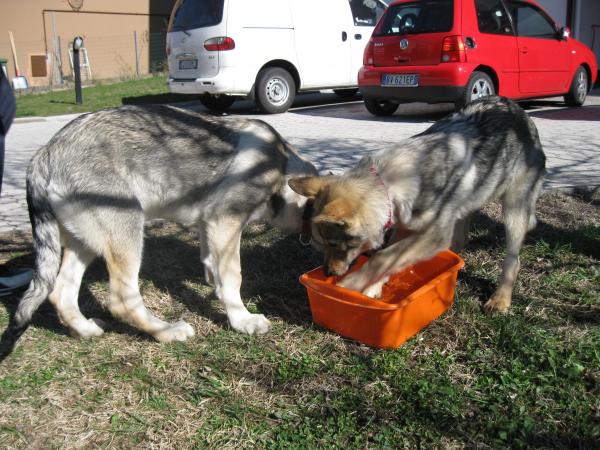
46 243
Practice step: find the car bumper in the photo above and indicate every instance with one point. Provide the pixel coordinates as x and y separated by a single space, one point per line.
430 94
226 82
441 83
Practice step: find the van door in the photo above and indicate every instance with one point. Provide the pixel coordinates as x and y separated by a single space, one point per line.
192 23
322 39
365 15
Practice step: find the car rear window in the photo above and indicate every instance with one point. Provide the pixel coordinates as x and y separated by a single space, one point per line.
492 17
190 14
428 16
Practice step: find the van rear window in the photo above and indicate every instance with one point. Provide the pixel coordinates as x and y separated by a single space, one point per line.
197 14
428 16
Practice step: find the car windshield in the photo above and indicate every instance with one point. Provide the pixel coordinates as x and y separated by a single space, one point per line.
429 16
191 14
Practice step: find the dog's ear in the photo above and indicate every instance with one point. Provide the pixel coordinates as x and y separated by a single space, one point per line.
308 186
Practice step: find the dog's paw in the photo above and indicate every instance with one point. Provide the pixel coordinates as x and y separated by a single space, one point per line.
87 329
375 290
497 303
209 277
178 331
351 281
250 323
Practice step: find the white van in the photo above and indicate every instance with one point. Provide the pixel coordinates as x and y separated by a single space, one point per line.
267 49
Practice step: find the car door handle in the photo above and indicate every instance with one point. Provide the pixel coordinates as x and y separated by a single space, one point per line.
344 36
524 50
358 37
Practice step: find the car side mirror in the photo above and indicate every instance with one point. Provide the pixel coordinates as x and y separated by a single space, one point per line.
564 33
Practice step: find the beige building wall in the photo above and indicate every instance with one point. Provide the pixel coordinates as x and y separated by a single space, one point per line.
109 29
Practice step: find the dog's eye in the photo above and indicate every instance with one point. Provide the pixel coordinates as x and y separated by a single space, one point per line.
353 243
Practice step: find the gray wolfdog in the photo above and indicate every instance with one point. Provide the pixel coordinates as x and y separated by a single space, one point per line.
424 187
91 188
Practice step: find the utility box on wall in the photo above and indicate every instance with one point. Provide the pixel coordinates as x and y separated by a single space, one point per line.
38 69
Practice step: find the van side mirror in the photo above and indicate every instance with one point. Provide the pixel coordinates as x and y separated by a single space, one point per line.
564 33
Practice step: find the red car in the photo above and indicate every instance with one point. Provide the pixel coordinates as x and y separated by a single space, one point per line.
459 50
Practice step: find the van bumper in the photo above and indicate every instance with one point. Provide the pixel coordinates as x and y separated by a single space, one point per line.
226 82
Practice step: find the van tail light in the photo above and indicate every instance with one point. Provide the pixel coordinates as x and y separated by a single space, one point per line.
368 54
453 49
220 43
168 50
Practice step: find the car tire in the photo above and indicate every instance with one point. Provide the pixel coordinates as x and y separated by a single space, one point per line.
480 85
275 90
381 107
217 103
579 88
345 93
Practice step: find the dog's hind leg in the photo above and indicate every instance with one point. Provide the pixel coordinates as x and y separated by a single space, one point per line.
223 238
65 295
535 193
517 211
205 255
123 254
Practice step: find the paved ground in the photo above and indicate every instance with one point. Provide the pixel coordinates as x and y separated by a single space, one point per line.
335 135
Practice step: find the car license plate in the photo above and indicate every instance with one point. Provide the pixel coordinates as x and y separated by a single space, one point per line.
188 64
405 79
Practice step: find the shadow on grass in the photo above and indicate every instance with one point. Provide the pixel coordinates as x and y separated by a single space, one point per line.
63 102
271 265
270 277
157 99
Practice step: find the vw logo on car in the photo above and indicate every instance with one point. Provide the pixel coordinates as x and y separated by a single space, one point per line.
404 44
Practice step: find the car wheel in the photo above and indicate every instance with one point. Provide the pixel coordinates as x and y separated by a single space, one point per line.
480 85
217 103
381 107
579 88
275 90
345 93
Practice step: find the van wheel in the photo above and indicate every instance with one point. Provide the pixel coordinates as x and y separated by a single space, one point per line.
275 90
579 88
345 93
217 103
381 107
480 85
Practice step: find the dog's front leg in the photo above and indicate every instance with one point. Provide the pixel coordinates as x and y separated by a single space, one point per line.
223 239
419 246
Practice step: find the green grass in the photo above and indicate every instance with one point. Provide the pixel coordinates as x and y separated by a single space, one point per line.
528 379
98 96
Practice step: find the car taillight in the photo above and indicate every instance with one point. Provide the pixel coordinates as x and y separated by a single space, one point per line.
453 49
219 43
368 54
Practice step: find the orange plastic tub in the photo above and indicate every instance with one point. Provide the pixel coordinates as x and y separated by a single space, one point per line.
411 299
